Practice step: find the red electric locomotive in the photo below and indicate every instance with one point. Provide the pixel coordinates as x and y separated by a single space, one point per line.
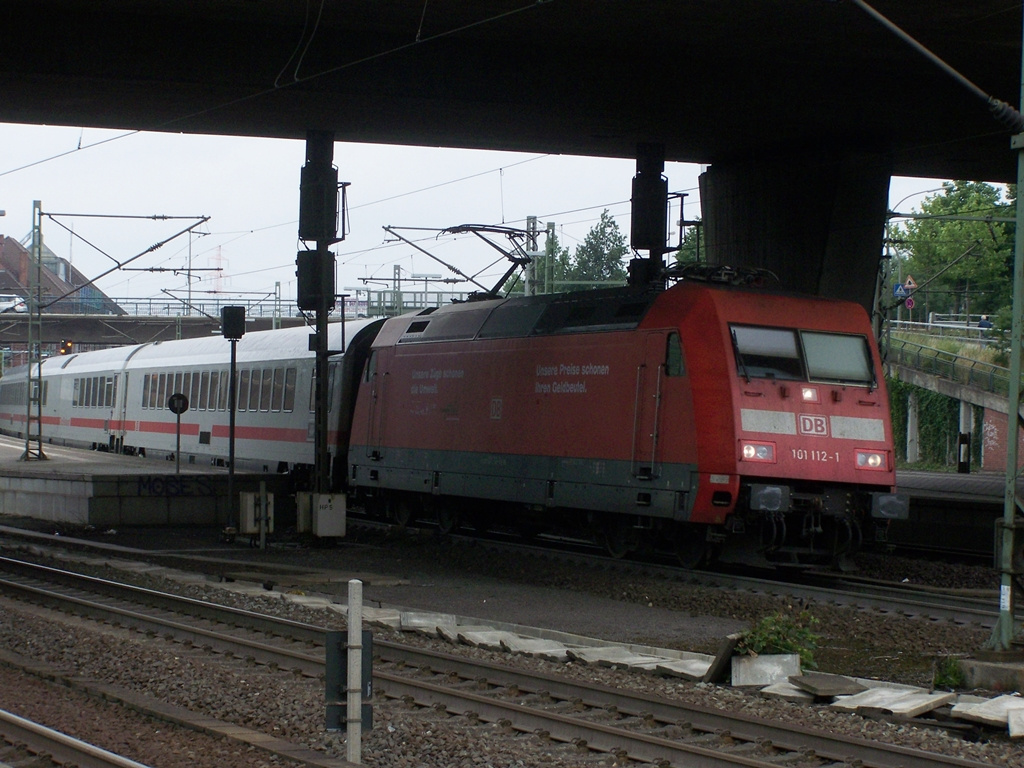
706 418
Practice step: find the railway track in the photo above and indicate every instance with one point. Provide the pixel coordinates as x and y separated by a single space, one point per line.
592 717
979 607
23 742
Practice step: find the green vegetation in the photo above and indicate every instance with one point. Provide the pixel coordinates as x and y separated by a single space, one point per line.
948 675
599 261
782 633
959 255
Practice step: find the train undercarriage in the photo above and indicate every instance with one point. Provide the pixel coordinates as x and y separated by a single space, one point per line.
808 535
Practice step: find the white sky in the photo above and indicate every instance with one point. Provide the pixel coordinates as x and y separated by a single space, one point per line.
249 189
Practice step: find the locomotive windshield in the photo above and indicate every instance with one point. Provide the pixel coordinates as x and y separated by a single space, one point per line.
837 357
784 353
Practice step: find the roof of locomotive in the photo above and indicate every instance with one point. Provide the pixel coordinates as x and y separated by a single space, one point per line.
521 316
590 311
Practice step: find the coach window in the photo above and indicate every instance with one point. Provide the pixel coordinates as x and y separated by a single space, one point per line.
193 396
254 390
289 390
204 390
225 388
87 400
266 384
177 383
111 391
278 390
211 405
674 356
242 398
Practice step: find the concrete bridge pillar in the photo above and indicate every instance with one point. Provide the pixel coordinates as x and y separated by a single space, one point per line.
815 218
913 430
963 458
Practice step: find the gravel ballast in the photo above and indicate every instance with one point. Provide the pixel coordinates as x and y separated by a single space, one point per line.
682 616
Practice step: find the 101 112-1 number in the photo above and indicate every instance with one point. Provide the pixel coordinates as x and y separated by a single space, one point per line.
803 454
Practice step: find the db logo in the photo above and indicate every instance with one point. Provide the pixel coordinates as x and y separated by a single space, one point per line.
813 425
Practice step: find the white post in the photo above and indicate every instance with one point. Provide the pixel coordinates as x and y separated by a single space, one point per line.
354 690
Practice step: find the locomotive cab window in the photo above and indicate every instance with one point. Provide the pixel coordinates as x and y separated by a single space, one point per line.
839 358
767 353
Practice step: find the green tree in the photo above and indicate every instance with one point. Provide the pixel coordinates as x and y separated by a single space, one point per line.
601 257
551 268
980 282
692 249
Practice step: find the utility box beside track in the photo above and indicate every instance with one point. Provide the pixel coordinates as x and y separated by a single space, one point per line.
322 514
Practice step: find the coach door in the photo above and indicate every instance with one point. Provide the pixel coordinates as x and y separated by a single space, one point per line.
118 412
647 407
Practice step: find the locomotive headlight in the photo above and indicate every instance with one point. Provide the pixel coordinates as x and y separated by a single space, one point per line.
809 394
757 451
876 460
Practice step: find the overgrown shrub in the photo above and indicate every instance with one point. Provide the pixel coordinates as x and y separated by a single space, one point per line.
782 633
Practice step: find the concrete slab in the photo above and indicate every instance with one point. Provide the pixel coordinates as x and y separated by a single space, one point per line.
385 618
595 655
823 685
993 712
894 701
533 646
688 669
634 662
380 617
490 640
308 601
723 658
450 632
993 675
426 622
766 669
530 646
787 691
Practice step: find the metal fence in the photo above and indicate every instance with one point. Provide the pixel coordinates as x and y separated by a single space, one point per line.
965 370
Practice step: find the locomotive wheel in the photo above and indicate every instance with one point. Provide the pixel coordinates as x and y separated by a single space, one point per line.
691 546
401 512
620 538
447 519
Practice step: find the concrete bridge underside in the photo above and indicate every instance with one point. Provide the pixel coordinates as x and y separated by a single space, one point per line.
802 108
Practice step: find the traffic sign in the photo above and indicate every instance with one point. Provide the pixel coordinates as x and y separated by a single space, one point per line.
909 303
898 291
910 284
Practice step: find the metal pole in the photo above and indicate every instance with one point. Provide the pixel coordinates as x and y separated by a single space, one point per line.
354 688
1002 634
232 405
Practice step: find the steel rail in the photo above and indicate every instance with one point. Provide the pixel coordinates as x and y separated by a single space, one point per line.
61 748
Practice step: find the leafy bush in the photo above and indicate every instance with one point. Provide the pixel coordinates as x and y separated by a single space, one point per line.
782 633
949 675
